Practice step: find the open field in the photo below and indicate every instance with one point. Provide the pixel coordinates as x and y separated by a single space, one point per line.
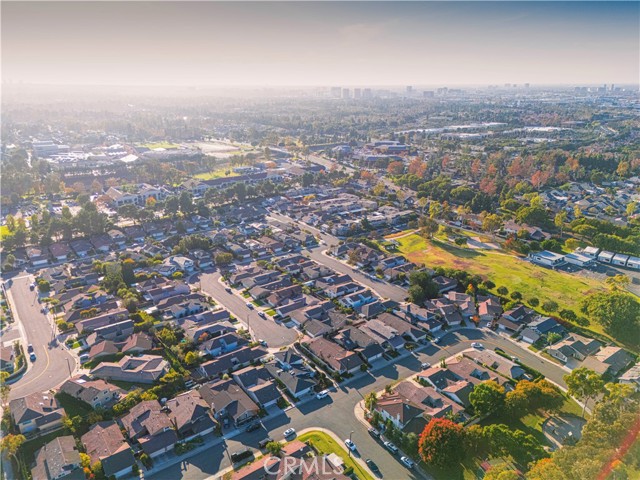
166 145
219 173
503 269
323 443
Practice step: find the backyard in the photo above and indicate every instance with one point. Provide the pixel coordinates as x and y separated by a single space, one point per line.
324 444
503 269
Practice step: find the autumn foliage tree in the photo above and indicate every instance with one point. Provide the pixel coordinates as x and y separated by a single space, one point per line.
442 442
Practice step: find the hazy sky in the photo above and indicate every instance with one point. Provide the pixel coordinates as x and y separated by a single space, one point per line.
322 43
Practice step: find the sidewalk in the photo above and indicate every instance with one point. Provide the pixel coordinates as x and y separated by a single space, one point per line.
337 439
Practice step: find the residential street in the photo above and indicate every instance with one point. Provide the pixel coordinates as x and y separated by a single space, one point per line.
276 335
53 363
336 412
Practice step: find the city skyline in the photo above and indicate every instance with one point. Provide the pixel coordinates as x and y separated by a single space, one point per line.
221 44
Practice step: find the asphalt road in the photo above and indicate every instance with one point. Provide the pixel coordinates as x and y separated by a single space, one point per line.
276 335
53 363
384 289
336 412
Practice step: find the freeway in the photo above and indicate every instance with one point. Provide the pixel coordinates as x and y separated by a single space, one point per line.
276 335
336 412
53 363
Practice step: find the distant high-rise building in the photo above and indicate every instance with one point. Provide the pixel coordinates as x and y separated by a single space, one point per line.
366 93
409 89
357 93
346 93
336 92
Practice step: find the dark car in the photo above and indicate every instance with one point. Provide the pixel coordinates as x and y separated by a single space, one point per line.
241 455
253 426
372 465
228 290
263 443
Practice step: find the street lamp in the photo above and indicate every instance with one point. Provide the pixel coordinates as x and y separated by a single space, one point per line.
350 443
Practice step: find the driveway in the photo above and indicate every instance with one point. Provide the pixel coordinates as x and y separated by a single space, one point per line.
53 363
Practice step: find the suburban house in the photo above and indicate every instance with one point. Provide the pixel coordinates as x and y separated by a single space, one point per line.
229 362
410 400
142 369
540 327
608 361
190 415
297 385
105 443
36 412
575 346
96 393
228 401
58 459
259 385
150 427
334 356
632 377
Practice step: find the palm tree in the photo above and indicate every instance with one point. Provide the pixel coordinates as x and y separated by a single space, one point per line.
371 401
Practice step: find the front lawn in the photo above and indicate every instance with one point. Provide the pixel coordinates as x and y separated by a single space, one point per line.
504 269
219 173
271 312
324 444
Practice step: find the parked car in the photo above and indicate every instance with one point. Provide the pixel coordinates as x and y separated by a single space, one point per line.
391 447
374 433
32 286
228 290
32 357
250 305
408 462
263 443
372 465
30 348
477 345
262 342
350 445
262 315
289 432
322 394
253 426
425 365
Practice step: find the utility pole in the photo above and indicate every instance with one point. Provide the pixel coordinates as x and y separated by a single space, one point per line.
351 433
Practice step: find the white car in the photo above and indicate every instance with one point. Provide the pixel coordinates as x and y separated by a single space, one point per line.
350 445
391 447
289 432
407 461
250 305
322 394
477 345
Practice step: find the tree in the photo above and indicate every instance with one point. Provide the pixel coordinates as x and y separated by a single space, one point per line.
274 448
442 442
167 336
618 312
5 388
584 384
421 287
487 397
503 290
192 358
223 258
491 223
428 227
501 471
559 220
371 401
550 306
11 444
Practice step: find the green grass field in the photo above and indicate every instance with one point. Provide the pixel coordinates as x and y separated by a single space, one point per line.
219 173
166 145
323 443
504 270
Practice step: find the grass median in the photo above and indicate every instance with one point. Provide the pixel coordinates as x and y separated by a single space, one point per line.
324 444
